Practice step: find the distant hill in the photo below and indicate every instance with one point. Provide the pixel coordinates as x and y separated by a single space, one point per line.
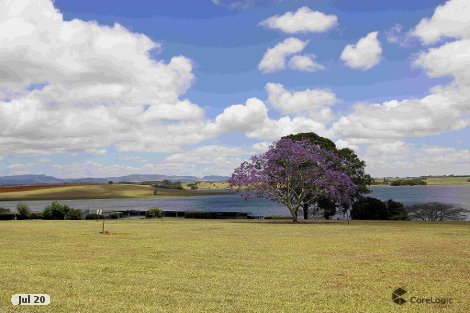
29 180
49 180
215 178
150 177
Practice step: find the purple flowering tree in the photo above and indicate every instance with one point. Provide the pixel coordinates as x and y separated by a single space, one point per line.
294 173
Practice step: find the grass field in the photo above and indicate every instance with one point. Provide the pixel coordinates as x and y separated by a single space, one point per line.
447 180
89 192
178 265
435 180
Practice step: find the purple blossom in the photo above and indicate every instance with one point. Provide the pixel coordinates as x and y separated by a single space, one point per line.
294 173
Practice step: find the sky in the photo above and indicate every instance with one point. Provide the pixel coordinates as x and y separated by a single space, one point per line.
109 88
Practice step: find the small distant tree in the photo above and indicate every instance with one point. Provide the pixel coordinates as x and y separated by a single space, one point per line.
154 212
437 212
110 182
4 211
293 173
24 212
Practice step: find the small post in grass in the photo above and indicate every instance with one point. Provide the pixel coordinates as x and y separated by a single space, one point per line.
99 213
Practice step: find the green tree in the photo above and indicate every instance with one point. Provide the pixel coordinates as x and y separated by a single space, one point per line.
437 212
396 210
56 211
367 208
154 212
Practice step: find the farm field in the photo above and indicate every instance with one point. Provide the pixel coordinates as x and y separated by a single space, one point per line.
181 265
101 191
435 180
447 180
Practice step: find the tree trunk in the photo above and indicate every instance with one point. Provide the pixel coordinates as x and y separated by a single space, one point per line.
295 218
305 209
295 213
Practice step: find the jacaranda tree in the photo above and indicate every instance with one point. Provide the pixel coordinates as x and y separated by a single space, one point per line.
294 173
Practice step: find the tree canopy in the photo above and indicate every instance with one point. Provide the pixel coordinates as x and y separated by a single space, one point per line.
350 164
294 173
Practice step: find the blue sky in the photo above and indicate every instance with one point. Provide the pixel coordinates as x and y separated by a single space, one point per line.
156 112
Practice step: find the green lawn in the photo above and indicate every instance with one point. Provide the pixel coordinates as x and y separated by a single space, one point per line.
183 265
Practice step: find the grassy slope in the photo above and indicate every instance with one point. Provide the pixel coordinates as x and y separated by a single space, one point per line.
91 192
215 266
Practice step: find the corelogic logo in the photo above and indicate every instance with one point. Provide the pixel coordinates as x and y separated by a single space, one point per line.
397 296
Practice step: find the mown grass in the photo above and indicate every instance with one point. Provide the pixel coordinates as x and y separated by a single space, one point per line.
101 191
178 265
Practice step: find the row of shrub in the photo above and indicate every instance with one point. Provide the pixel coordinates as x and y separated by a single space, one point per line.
408 182
195 214
168 184
368 208
276 217
54 211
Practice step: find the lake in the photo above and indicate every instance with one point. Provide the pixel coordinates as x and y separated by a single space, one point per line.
456 194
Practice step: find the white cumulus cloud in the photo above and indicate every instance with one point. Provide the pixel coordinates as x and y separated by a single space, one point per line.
252 119
301 21
314 103
363 55
449 20
274 59
304 63
80 86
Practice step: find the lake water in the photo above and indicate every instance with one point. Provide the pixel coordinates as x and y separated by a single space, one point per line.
456 194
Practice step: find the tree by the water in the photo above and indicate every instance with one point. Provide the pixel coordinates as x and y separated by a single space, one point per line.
294 173
350 164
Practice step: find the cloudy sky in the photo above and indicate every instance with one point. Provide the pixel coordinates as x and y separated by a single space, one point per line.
103 88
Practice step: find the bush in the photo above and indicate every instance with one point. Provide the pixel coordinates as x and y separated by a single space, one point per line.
436 212
56 211
114 216
93 216
194 187
74 214
396 211
196 214
24 212
154 212
368 208
275 217
36 215
6 214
